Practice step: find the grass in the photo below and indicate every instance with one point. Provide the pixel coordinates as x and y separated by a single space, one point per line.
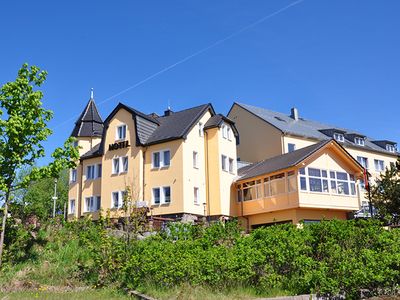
65 295
187 292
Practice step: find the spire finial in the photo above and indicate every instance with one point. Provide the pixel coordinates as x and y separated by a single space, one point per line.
91 93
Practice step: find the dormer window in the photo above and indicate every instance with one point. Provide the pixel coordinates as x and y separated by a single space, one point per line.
338 136
391 148
359 141
121 132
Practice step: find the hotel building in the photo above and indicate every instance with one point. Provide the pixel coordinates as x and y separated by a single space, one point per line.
180 163
184 164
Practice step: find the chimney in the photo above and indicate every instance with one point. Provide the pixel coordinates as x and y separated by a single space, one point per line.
294 113
168 112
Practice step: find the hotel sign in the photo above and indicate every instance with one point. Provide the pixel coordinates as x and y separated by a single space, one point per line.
119 145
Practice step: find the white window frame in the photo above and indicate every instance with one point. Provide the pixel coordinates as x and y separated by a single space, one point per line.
122 165
224 164
224 131
229 132
379 165
94 204
71 208
195 159
359 141
338 136
200 126
161 155
117 135
116 166
120 199
162 194
391 148
73 175
231 165
90 172
196 195
363 161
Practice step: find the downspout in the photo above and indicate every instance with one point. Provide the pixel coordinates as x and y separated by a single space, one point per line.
80 190
207 176
143 173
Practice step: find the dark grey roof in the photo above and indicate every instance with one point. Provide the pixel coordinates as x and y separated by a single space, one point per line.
280 162
178 124
89 123
94 152
217 120
310 129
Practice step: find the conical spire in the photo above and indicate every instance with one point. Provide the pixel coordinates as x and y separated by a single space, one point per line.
89 123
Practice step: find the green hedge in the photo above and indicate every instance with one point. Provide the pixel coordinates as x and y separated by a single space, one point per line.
326 258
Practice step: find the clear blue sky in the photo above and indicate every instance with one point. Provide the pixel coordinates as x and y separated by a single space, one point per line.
337 61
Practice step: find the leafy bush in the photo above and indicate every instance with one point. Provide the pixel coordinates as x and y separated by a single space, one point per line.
327 258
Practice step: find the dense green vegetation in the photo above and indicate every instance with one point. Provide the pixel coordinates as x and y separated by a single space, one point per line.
327 258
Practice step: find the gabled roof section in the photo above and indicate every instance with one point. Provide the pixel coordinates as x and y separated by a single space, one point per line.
307 128
288 160
217 120
89 123
178 124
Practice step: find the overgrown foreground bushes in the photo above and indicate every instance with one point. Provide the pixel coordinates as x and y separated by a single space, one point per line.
327 258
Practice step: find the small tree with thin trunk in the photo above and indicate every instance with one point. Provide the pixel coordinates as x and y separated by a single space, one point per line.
385 194
23 129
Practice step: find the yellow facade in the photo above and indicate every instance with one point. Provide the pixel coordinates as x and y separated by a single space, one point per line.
181 176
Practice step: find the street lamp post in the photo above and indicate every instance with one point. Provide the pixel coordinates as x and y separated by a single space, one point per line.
54 197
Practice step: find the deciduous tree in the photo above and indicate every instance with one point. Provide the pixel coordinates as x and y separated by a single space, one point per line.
23 129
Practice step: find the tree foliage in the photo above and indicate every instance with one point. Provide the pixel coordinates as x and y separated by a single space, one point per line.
385 194
23 129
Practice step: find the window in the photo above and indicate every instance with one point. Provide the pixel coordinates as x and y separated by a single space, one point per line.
75 144
156 195
167 194
317 181
303 179
167 157
291 147
291 181
90 172
239 193
223 162
201 129
115 165
224 131
363 161
124 161
73 175
161 159
72 206
338 136
117 199
359 141
230 165
252 190
195 159
391 148
162 195
121 132
229 133
379 165
98 173
92 204
278 184
196 195
156 159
